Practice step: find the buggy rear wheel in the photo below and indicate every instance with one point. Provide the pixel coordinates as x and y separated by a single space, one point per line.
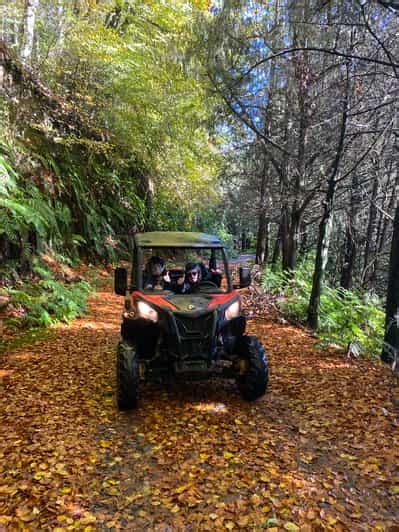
127 376
252 382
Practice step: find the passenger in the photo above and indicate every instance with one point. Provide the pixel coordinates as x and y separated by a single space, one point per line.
156 276
191 280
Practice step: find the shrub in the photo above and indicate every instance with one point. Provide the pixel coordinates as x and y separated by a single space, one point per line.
42 302
345 316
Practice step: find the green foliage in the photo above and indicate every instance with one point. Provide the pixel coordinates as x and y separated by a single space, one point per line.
345 316
133 148
228 240
45 300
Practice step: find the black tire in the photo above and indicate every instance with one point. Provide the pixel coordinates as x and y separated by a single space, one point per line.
127 376
253 383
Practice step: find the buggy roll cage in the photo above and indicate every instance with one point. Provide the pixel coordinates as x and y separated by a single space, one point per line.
158 240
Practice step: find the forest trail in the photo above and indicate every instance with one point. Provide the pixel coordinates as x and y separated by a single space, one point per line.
318 451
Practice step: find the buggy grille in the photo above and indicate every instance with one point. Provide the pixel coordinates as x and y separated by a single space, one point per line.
196 335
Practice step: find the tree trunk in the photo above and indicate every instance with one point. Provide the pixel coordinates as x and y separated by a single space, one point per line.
262 240
291 239
323 243
326 221
277 247
350 249
29 29
349 258
391 340
243 241
370 231
386 223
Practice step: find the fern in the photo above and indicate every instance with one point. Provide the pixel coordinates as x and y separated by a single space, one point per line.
48 301
345 316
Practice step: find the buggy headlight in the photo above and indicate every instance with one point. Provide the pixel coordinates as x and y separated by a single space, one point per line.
233 310
145 311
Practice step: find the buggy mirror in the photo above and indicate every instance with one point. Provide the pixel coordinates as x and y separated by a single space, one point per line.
120 284
245 277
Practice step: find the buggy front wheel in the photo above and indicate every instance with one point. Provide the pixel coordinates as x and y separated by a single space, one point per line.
254 375
127 376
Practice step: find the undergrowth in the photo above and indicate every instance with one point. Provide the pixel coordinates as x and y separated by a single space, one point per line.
345 316
44 300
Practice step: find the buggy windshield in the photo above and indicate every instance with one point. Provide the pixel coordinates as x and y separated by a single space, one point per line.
183 270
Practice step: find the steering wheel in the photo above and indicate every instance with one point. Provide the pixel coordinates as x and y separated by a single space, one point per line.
207 284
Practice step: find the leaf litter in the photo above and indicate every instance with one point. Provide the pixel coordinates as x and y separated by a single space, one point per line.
318 452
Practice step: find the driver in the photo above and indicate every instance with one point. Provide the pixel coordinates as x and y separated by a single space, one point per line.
191 280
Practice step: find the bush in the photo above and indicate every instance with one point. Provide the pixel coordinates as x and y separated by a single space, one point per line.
345 316
45 300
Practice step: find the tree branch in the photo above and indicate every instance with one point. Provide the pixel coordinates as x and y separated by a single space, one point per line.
247 121
317 50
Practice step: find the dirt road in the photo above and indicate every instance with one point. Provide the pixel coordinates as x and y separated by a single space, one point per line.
319 451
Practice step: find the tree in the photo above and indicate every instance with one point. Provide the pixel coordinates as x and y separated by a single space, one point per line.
29 29
111 123
390 351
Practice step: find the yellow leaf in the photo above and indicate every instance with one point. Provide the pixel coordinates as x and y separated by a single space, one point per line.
142 513
243 521
291 527
175 509
229 525
105 443
228 455
87 519
348 456
237 422
180 489
264 478
395 489
204 456
24 514
66 490
266 509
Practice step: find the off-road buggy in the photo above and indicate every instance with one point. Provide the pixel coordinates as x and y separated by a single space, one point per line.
192 335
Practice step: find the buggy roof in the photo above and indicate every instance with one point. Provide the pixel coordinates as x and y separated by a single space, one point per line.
175 239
